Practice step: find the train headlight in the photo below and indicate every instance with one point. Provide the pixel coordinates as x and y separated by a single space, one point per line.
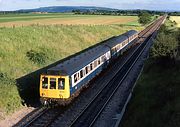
43 94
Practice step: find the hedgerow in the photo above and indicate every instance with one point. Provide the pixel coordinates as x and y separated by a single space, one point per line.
165 45
37 57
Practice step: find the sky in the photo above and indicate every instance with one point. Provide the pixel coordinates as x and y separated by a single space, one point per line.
10 5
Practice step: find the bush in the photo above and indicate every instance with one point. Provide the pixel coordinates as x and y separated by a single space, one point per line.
144 18
4 79
178 35
37 57
11 99
166 43
164 46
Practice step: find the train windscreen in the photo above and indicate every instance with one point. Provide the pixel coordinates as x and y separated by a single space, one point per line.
52 83
61 83
45 83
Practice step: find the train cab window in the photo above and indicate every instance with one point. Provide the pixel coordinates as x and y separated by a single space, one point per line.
61 83
81 73
45 83
52 83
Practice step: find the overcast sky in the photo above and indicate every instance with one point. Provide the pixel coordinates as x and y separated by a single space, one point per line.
6 5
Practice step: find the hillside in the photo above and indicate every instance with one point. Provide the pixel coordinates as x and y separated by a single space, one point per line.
26 49
66 9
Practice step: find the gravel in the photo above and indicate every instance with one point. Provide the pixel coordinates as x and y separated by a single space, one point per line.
114 110
83 99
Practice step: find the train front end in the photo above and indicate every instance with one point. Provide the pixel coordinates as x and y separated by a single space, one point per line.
54 89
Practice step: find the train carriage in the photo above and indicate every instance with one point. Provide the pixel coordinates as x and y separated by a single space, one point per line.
62 81
121 43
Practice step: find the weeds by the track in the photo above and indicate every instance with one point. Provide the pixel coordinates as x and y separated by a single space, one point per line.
156 98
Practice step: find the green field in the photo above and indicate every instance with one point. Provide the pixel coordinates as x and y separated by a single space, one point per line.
25 49
64 19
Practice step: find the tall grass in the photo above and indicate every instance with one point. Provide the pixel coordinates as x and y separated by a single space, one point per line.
54 42
156 99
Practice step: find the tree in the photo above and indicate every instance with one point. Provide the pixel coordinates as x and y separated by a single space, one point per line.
144 18
164 46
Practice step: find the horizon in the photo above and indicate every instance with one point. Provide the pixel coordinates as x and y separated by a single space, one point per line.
158 5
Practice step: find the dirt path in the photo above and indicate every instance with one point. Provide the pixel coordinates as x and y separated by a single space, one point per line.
11 120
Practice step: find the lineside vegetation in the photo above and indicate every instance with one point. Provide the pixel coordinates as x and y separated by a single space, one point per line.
26 49
156 98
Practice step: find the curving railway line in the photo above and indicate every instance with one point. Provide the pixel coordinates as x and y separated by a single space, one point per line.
88 116
92 111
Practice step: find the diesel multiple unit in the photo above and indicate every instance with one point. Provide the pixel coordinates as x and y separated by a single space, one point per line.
62 81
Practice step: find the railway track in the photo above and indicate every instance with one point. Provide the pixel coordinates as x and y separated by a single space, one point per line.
44 118
92 111
89 115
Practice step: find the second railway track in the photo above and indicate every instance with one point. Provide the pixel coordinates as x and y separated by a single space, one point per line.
92 110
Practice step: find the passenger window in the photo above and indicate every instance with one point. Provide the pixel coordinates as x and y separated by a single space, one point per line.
99 61
61 83
91 66
75 78
52 83
86 69
78 75
81 73
103 58
95 63
45 83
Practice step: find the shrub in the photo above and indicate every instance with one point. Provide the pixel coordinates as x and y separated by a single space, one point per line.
37 57
144 18
4 79
11 99
164 46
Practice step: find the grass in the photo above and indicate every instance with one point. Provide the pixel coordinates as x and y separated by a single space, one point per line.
176 19
29 48
156 99
10 99
54 41
30 16
64 19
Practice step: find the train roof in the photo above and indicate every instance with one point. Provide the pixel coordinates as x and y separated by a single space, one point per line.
74 64
131 32
113 42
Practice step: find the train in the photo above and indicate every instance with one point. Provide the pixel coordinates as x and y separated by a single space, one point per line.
62 82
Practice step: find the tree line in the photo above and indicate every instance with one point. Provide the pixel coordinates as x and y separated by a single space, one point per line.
107 12
123 12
